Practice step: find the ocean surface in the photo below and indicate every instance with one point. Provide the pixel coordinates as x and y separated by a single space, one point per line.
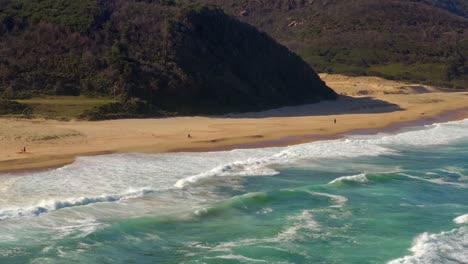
386 198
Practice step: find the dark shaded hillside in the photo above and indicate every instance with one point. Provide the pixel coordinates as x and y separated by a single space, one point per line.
458 7
416 40
154 54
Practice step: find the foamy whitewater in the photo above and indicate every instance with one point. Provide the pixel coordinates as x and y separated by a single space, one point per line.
387 198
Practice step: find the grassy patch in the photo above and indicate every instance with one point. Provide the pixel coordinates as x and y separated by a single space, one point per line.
12 108
63 107
352 70
421 72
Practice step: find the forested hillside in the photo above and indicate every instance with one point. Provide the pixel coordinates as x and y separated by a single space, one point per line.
416 40
155 55
188 56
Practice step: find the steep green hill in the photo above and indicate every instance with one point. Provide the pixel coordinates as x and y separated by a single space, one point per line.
156 55
416 40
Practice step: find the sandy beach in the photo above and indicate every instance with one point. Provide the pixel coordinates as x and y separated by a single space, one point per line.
365 103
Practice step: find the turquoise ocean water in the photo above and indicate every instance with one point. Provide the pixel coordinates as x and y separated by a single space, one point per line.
387 198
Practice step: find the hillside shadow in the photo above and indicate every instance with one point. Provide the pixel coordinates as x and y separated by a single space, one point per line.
343 105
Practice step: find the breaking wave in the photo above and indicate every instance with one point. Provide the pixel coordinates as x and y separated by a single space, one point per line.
260 166
445 247
463 219
247 168
47 206
343 148
360 178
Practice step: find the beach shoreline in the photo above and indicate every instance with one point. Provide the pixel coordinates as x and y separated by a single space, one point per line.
44 163
449 116
386 107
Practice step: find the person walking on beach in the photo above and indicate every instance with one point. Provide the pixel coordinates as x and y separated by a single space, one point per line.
189 136
335 120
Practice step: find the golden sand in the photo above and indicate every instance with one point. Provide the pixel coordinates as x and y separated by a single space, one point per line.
366 103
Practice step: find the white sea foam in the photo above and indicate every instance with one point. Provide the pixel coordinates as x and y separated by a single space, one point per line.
201 211
454 170
265 211
91 177
438 181
228 246
246 168
446 247
78 227
338 199
463 219
46 206
436 134
238 258
351 147
360 178
303 221
258 166
460 172
9 252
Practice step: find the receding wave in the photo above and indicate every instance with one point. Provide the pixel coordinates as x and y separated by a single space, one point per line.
435 134
47 206
445 247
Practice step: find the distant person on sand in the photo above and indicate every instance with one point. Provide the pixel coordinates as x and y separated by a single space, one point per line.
189 136
335 120
23 150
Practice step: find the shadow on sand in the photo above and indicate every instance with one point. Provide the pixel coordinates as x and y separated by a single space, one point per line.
343 105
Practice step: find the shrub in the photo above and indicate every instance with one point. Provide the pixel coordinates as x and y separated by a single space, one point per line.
133 108
8 107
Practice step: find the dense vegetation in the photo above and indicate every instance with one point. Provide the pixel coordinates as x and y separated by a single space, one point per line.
8 107
416 40
155 55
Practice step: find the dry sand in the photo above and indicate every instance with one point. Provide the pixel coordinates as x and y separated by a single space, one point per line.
366 103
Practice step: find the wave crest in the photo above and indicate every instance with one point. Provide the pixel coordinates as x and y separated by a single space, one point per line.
463 219
47 206
359 178
445 247
248 168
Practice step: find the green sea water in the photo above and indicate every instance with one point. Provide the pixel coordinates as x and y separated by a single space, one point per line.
400 198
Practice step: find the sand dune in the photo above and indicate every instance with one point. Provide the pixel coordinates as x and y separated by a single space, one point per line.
366 103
